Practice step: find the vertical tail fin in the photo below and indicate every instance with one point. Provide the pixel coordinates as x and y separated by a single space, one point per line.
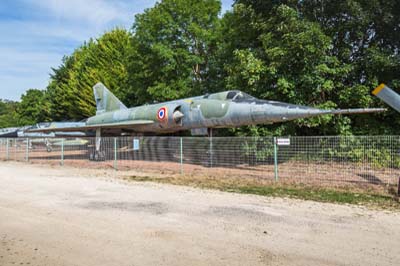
105 100
387 95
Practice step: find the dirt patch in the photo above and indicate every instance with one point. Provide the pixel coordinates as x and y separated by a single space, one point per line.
156 208
67 216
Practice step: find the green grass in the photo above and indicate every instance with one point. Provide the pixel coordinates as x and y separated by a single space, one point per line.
340 196
321 195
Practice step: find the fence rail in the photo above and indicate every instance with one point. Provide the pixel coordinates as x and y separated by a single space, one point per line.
361 161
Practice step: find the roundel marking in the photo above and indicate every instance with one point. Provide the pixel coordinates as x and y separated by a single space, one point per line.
162 114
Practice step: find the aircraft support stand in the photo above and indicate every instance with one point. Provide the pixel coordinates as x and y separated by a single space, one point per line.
47 142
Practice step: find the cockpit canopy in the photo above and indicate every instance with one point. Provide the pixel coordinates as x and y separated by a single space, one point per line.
238 96
234 95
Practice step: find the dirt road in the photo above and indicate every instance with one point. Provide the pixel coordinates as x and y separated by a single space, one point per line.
65 216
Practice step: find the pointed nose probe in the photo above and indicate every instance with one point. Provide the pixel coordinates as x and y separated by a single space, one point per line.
298 113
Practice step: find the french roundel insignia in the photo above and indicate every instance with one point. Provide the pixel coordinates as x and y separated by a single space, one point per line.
162 114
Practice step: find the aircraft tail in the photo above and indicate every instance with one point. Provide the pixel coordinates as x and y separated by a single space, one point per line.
387 95
105 100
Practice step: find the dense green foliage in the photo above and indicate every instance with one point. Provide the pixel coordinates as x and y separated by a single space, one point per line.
102 60
329 54
33 107
172 49
8 114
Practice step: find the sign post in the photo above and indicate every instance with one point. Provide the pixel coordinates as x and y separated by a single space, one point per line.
278 142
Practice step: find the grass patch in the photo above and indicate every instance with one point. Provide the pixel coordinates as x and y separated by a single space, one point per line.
259 187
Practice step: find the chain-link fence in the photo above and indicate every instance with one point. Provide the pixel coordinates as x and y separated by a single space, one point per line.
361 161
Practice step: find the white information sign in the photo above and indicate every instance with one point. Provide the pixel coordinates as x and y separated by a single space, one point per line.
283 141
135 144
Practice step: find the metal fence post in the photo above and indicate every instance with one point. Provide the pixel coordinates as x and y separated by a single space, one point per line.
211 147
181 152
16 150
275 160
62 152
27 150
115 154
8 149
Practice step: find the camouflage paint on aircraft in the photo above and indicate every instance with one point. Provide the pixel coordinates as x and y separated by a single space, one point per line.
218 110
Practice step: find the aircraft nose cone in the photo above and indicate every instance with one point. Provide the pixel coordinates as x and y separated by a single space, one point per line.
296 113
280 112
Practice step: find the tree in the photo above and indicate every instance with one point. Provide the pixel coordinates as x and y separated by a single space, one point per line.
283 57
33 107
172 46
8 114
328 54
102 60
365 36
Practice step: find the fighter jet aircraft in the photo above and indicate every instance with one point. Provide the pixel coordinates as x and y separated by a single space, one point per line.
199 114
49 138
387 95
27 131
9 132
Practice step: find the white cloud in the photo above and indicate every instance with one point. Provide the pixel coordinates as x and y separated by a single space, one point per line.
49 29
96 12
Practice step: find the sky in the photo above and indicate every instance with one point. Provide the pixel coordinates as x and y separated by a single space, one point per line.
36 34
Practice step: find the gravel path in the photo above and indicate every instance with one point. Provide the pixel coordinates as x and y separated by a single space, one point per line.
66 216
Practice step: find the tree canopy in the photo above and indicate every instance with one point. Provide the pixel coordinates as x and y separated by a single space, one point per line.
328 54
172 48
102 60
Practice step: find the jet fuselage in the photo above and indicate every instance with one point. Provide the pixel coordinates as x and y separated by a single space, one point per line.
219 110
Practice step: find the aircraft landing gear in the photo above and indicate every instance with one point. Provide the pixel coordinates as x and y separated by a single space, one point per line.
48 145
98 155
